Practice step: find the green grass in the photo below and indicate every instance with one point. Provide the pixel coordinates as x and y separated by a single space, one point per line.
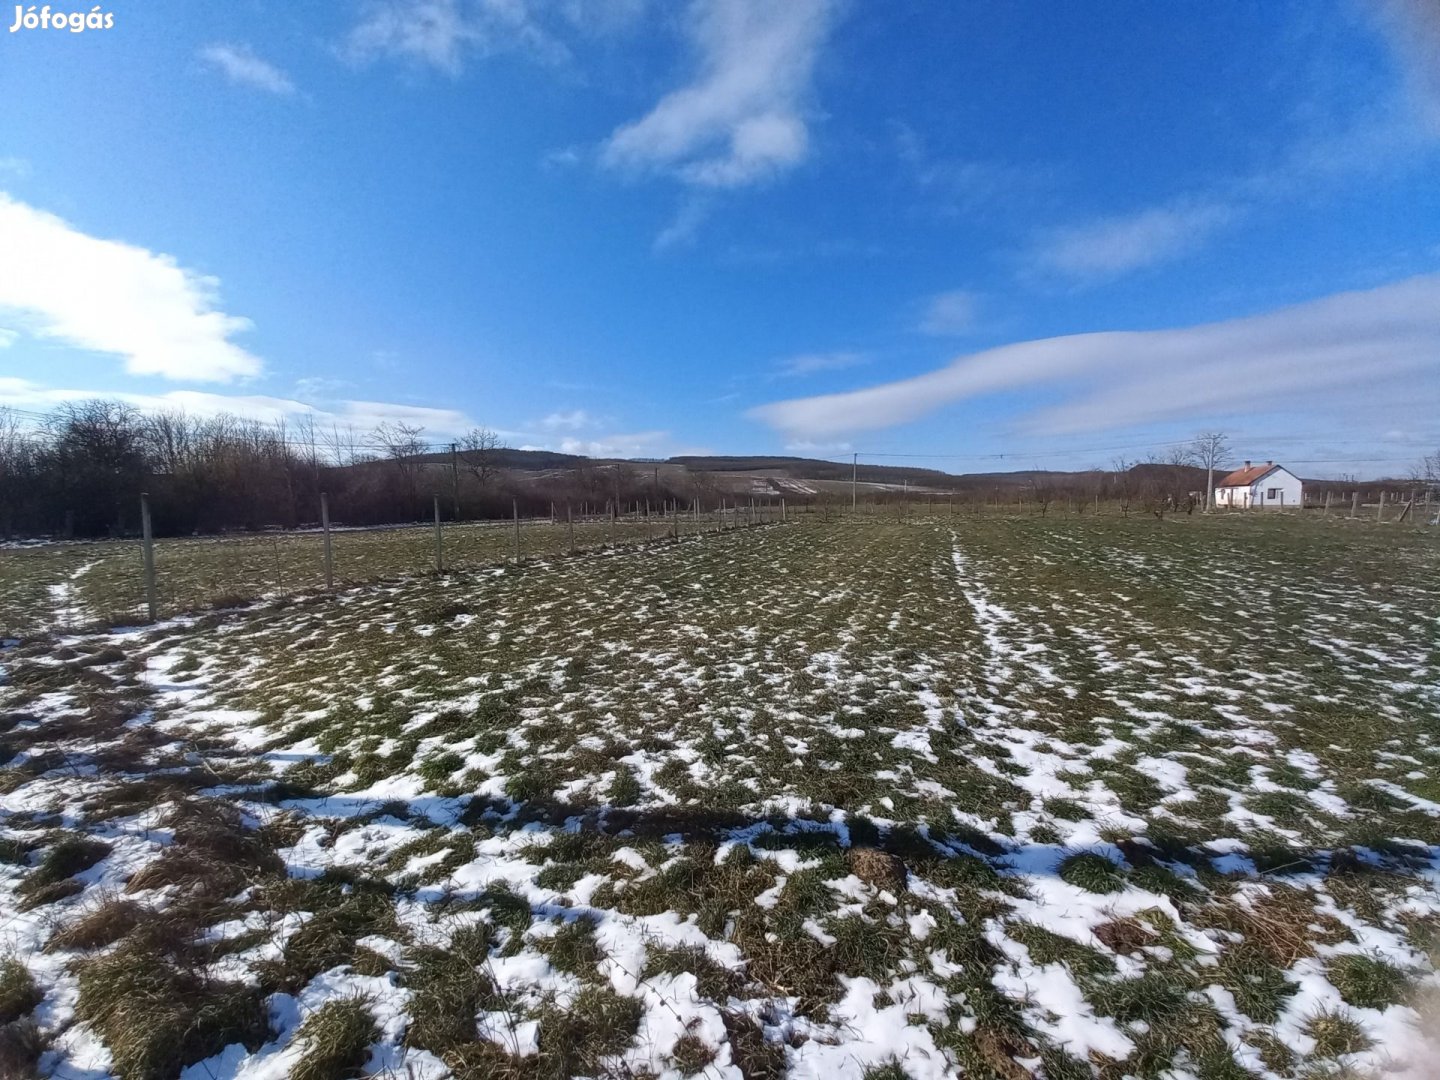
1368 981
1091 872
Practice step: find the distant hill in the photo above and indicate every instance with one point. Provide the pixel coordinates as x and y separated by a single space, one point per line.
745 471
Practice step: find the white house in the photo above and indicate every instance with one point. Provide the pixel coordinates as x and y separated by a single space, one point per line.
1267 486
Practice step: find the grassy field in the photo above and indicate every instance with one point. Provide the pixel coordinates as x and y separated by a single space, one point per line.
993 797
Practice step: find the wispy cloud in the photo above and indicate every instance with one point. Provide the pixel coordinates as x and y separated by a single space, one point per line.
363 415
1106 249
442 33
950 313
61 284
812 363
1412 30
966 185
15 166
1393 133
1385 341
241 66
742 119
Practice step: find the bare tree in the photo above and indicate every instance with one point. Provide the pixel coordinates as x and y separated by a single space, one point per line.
19 454
342 444
1428 470
477 454
1123 479
1210 448
1042 492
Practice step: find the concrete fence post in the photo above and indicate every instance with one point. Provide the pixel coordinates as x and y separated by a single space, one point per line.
439 542
1380 508
147 540
329 554
570 527
515 511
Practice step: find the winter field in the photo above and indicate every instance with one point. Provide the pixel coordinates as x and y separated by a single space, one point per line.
1068 797
71 585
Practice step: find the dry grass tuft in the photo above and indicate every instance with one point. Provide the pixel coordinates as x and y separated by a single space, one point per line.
18 992
21 1044
337 1038
877 868
72 854
103 925
213 855
756 1057
156 1017
691 1054
449 990
1125 936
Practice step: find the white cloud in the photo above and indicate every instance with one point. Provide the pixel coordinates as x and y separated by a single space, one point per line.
567 421
564 157
319 386
15 166
1412 29
1382 343
637 444
742 118
8 338
1114 246
811 363
950 313
807 446
64 285
363 415
440 33
241 66
686 223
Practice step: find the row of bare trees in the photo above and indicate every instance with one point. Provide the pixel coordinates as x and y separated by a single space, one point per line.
79 471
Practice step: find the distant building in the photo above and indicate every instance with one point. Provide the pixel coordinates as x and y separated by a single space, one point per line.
1268 486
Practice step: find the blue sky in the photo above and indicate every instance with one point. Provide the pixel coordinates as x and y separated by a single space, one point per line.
1058 233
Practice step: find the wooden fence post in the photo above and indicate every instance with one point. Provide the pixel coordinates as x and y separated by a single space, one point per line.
570 527
515 509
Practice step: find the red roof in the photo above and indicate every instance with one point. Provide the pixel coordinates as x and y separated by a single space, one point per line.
1248 475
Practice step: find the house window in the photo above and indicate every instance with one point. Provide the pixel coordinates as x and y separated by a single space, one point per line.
1273 493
